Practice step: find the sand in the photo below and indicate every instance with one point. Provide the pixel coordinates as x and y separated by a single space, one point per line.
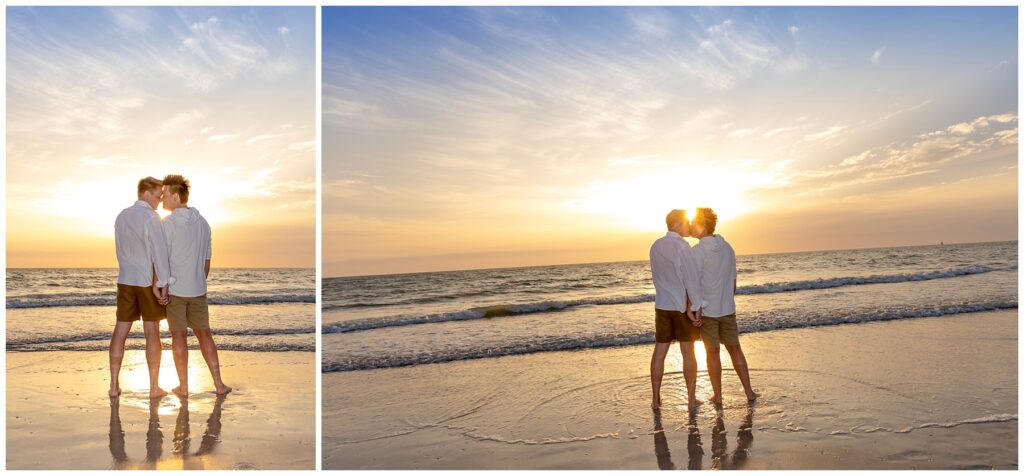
59 417
937 393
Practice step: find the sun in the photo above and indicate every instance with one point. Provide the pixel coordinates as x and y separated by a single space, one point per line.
641 202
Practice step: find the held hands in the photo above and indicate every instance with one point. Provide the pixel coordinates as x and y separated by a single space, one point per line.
695 317
161 295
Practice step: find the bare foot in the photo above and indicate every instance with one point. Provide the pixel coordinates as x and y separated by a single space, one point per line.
114 392
655 405
224 390
752 396
157 393
180 390
716 399
694 404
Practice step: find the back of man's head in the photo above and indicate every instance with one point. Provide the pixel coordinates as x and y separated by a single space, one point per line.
148 184
707 218
674 218
176 184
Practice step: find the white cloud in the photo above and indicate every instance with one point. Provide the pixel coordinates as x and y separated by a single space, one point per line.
651 23
825 135
178 120
876 57
777 131
221 138
740 133
262 138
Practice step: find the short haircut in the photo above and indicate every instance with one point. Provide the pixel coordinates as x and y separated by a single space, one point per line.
176 184
149 183
674 218
707 217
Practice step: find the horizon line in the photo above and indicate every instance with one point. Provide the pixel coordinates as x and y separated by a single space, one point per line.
633 261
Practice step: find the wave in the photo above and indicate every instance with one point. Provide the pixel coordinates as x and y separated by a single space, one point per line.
109 299
17 344
767 322
95 346
503 310
997 418
827 283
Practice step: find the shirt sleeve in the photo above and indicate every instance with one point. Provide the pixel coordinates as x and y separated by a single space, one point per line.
209 242
691 278
156 247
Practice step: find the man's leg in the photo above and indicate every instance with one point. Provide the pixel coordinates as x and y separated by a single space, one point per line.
690 372
715 371
739 362
153 351
117 340
209 350
179 348
658 371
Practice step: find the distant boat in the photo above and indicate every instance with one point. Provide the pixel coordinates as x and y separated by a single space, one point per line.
941 243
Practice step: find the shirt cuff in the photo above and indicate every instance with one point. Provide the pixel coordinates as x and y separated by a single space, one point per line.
169 282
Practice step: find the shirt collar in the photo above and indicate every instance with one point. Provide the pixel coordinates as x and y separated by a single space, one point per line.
675 235
142 203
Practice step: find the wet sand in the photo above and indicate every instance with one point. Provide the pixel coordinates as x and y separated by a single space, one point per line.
938 393
59 417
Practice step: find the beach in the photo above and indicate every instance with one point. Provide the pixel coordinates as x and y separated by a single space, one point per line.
912 393
58 325
59 417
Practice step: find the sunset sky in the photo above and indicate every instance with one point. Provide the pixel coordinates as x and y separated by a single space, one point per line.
459 138
98 98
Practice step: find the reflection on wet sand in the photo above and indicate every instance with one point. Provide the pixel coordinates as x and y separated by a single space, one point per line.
693 444
155 438
661 450
720 458
117 435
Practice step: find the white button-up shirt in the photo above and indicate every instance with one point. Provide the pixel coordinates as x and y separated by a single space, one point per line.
716 262
140 247
675 274
189 239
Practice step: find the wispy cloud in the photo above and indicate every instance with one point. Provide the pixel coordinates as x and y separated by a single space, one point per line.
925 153
876 57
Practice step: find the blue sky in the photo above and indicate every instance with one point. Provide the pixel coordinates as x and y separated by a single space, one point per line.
488 129
98 98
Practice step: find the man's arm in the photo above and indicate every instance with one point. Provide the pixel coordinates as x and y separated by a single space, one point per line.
157 246
206 269
160 293
691 279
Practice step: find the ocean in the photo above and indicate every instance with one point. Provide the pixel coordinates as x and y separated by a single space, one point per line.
373 322
74 309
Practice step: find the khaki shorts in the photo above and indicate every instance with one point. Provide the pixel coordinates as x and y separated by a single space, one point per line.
137 301
184 312
673 325
716 330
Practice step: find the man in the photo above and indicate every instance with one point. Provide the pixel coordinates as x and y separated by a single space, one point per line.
189 238
142 262
716 261
676 285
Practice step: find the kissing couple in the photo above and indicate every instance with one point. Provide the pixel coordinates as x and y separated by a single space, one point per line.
162 271
695 292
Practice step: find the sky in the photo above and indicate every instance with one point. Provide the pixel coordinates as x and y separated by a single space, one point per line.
98 98
464 138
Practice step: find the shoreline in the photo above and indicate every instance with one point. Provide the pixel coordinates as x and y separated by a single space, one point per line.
57 399
867 403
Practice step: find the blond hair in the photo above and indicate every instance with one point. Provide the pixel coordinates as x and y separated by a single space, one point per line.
707 217
148 183
674 218
176 184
